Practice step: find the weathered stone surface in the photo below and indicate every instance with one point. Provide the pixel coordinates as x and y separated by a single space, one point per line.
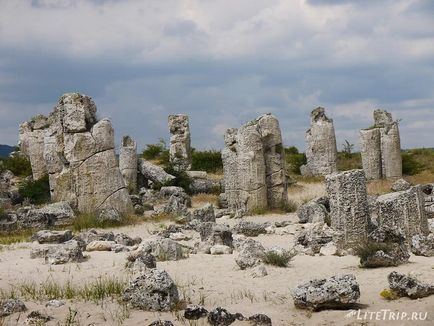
31 137
321 150
11 306
162 248
315 236
57 214
80 157
49 236
349 210
391 248
197 174
180 142
251 254
250 229
100 245
259 271
205 213
178 204
401 185
161 323
84 238
404 209
154 290
370 141
312 212
69 251
381 147
221 317
334 293
422 245
205 186
230 169
259 320
154 173
220 250
128 162
215 234
108 215
37 318
139 260
195 312
408 286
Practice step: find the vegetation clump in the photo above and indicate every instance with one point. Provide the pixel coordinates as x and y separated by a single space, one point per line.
37 191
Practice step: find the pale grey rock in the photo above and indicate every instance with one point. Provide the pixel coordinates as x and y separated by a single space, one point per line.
321 150
126 240
349 209
197 174
128 162
312 212
315 236
55 303
205 186
250 229
100 246
154 290
251 254
259 271
108 215
215 234
50 236
162 248
401 185
370 140
86 237
408 286
180 142
139 260
404 209
230 170
337 292
57 214
220 250
154 173
422 245
205 213
69 251
11 306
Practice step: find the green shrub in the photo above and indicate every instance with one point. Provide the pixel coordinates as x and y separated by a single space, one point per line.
294 159
410 163
18 165
181 179
349 161
38 192
209 161
368 248
158 152
279 259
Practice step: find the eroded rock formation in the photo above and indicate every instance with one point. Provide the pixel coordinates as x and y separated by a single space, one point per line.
180 142
128 162
321 150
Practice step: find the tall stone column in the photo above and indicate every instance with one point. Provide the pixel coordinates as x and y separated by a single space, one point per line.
128 163
274 155
349 210
370 140
180 142
230 169
321 150
391 151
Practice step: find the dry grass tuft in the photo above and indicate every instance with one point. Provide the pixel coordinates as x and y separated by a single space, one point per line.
379 187
199 199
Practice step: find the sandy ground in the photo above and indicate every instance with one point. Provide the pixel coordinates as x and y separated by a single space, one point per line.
218 281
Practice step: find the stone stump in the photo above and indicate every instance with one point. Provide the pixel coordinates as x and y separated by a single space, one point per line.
128 163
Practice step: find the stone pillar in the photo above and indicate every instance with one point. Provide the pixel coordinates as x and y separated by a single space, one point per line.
391 151
370 141
321 150
32 144
230 169
251 168
274 155
349 210
180 142
404 209
128 163
80 156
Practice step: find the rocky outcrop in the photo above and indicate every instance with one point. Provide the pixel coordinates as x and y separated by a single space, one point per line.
154 290
49 236
408 286
80 157
251 254
349 209
337 292
321 150
195 312
128 163
180 142
314 211
204 214
422 245
381 147
51 215
162 249
254 166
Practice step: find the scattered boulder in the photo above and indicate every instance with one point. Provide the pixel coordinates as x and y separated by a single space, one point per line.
386 246
37 318
69 251
195 312
49 236
315 236
140 260
312 212
401 185
259 271
11 306
57 214
154 173
161 323
408 286
55 303
250 229
221 317
215 234
162 248
422 245
126 240
205 213
205 186
84 238
260 320
178 204
220 250
100 246
251 253
337 292
154 290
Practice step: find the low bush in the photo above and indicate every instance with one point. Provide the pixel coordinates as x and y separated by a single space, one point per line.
411 165
368 248
209 161
294 159
18 165
278 259
38 191
181 179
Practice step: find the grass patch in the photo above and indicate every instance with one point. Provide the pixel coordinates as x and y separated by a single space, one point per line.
86 221
203 199
379 187
11 237
349 161
101 289
18 165
279 259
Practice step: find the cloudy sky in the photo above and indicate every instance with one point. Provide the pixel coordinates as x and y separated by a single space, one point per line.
223 62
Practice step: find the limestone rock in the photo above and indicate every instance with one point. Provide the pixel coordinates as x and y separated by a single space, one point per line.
259 271
128 162
422 245
180 142
205 186
11 306
49 236
215 234
321 150
312 212
370 140
195 312
315 236
197 174
336 292
401 185
100 246
162 248
220 250
349 210
69 251
140 260
221 317
251 253
259 320
154 290
110 215
250 229
57 214
205 213
161 323
37 318
86 237
408 286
